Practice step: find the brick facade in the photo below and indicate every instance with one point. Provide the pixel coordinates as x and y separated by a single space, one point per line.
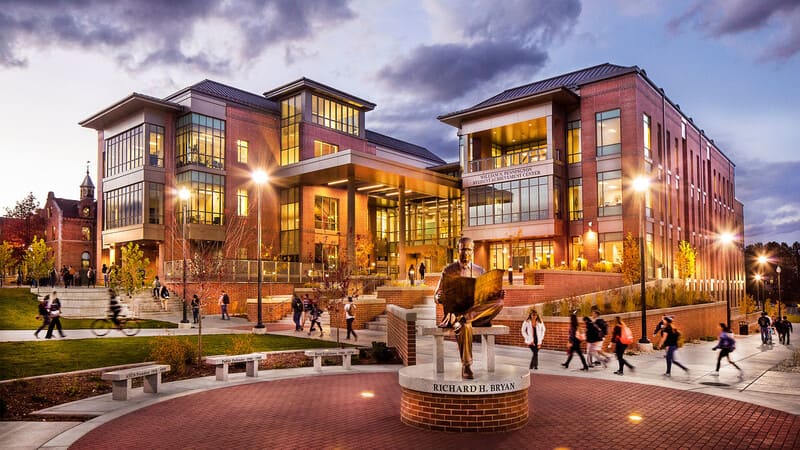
401 334
404 296
464 413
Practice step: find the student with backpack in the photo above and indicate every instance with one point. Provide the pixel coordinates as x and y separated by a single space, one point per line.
725 345
669 339
316 312
597 347
593 342
224 301
621 337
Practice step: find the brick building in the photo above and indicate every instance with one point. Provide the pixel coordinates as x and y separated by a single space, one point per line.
549 169
70 229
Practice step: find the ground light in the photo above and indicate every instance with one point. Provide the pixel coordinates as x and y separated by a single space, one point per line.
635 418
367 394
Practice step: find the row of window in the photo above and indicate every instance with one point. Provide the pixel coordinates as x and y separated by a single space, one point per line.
207 203
514 201
126 151
200 140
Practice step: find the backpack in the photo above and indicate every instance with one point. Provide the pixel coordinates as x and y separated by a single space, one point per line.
225 299
602 326
626 337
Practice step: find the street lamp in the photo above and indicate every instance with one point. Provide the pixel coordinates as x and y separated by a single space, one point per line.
758 290
778 271
762 260
259 177
726 239
641 185
184 195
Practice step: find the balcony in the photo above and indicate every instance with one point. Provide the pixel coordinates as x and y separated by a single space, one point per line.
511 160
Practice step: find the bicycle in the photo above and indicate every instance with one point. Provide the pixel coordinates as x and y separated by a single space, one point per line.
101 327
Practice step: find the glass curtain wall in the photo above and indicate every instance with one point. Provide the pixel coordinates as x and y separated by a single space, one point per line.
200 140
290 224
207 199
291 116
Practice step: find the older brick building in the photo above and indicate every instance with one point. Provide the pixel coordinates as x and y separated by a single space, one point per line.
70 229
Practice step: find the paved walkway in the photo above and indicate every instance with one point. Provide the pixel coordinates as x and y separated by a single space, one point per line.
760 409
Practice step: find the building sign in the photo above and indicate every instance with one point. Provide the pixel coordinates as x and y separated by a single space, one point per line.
486 388
506 174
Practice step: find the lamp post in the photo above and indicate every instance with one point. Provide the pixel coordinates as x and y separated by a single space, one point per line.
778 271
758 290
762 261
259 177
641 185
727 238
184 195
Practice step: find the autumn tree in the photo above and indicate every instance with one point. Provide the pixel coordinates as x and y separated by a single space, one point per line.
685 259
38 260
27 224
631 260
7 259
131 274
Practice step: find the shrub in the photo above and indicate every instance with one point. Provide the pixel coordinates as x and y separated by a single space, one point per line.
72 389
176 352
241 344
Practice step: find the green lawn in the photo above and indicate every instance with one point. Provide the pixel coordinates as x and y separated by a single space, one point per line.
25 359
18 310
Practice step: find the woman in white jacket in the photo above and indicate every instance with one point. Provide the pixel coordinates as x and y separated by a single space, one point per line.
533 333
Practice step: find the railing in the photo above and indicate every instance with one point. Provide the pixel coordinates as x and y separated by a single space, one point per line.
512 159
246 271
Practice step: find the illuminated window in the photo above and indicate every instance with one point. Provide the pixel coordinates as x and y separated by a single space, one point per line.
575 198
326 213
574 142
241 202
335 115
200 140
155 145
512 201
290 224
123 207
86 232
323 148
291 115
610 247
241 151
608 133
609 193
207 199
155 199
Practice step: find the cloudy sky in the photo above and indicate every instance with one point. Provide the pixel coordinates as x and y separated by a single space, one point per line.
731 64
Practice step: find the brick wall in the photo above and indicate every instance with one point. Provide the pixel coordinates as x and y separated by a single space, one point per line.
402 333
404 296
273 309
464 413
366 310
239 294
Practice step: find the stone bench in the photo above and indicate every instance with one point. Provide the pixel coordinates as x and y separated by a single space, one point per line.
222 363
487 335
121 379
318 354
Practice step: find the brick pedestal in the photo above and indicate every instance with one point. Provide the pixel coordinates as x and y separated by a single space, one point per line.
491 402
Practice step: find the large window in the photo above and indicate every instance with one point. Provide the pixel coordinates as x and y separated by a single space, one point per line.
327 254
326 213
241 202
123 207
290 224
324 148
333 114
575 198
207 199
241 151
155 203
648 153
609 193
200 140
608 133
610 247
155 145
574 142
428 221
512 201
291 115
124 152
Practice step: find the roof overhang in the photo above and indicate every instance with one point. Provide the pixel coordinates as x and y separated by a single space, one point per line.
308 84
366 172
562 95
125 107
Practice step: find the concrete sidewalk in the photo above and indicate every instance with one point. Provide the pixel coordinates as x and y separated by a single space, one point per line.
757 385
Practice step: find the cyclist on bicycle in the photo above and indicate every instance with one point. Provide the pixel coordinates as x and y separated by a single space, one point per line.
115 307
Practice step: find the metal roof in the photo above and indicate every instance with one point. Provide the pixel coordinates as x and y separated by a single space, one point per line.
572 81
402 146
231 94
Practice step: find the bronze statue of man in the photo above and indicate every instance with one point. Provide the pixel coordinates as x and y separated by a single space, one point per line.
461 313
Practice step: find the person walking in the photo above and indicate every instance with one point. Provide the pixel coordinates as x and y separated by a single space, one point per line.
54 306
787 330
156 287
533 330
726 345
195 308
421 272
44 315
306 311
621 337
91 276
104 270
574 346
297 312
316 312
669 339
593 341
53 277
602 329
764 324
350 316
224 301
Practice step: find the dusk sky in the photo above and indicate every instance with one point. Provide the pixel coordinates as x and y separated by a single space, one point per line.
732 65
